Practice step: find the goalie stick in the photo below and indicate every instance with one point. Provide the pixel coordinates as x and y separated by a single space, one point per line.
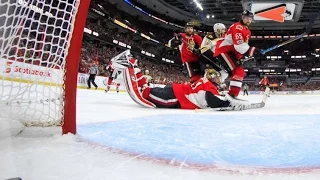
311 22
244 107
255 105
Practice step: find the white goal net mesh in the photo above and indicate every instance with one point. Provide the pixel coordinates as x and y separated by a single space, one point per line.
34 40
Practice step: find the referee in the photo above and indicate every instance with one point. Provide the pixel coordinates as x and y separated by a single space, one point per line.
245 89
93 71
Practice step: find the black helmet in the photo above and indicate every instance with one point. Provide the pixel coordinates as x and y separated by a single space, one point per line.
247 13
189 24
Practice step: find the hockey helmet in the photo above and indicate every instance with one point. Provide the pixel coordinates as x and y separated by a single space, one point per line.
247 13
218 27
189 24
211 73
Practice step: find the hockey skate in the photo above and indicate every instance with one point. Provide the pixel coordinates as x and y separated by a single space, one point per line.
108 89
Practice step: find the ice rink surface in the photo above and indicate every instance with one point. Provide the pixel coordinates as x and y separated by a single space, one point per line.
118 139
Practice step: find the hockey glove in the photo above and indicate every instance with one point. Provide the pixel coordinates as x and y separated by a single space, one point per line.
196 51
179 38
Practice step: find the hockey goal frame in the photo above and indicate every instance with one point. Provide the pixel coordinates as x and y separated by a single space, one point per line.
71 70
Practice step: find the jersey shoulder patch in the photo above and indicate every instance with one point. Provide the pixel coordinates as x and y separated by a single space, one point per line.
210 37
239 27
217 39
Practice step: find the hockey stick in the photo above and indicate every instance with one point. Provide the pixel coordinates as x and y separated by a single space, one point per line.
253 105
244 107
311 22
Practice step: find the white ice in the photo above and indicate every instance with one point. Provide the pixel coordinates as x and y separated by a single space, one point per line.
42 153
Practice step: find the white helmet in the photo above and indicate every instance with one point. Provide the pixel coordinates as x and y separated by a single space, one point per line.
146 71
218 26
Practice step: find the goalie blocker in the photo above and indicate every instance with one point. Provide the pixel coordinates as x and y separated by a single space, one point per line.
201 94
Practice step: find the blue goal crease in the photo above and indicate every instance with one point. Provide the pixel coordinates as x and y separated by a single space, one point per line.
248 140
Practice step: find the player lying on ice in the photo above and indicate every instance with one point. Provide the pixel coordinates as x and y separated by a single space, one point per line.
201 94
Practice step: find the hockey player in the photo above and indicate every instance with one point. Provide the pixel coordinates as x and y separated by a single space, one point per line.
148 77
190 52
264 83
209 41
208 48
200 94
112 76
233 48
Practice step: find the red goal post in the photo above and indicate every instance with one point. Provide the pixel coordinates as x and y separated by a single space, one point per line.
71 75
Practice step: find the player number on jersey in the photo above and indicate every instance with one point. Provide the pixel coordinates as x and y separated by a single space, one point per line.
239 36
194 86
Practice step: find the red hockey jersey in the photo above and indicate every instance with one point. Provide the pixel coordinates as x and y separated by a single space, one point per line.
236 40
109 67
192 96
264 81
188 44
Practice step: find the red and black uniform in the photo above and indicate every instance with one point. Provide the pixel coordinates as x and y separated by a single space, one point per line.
109 68
189 55
264 83
229 52
231 49
200 94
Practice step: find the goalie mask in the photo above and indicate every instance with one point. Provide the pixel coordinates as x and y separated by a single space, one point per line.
213 76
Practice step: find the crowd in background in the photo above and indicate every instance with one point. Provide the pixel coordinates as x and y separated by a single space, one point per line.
93 52
97 52
305 87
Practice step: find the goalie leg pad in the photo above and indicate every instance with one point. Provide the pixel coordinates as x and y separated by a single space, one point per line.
131 83
162 97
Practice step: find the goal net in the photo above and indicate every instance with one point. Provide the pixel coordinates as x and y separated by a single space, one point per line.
39 41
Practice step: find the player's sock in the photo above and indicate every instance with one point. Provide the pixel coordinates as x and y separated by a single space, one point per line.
234 91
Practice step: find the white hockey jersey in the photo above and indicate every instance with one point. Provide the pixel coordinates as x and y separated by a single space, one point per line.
149 78
209 42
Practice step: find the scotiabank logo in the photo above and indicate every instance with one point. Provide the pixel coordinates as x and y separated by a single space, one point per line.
82 79
25 70
8 69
